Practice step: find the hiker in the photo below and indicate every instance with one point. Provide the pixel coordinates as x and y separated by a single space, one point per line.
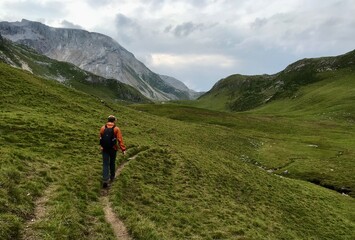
110 141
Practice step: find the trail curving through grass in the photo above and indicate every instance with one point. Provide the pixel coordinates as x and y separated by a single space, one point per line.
116 224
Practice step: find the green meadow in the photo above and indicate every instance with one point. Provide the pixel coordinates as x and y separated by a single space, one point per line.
198 173
310 136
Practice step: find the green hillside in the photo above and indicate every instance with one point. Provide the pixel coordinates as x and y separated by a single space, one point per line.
241 93
333 97
108 89
310 136
191 179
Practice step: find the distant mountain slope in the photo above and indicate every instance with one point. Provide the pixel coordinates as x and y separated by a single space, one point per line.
26 58
189 94
241 93
93 52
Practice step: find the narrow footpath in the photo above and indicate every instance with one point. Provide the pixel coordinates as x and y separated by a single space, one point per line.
39 213
117 225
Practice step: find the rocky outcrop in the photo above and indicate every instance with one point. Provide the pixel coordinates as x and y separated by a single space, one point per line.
92 52
323 64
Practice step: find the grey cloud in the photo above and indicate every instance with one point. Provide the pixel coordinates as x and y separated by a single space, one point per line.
154 4
127 23
35 9
96 3
304 33
200 3
158 4
195 3
128 29
259 22
122 20
186 29
332 22
168 28
279 19
67 24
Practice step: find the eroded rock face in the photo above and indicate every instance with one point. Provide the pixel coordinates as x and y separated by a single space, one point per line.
90 51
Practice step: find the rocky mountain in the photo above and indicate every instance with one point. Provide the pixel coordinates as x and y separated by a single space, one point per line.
240 93
23 57
92 52
175 83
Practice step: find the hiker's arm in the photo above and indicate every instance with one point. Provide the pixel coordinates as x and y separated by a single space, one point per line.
120 141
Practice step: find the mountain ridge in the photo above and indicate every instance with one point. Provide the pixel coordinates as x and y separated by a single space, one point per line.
93 52
26 58
190 94
245 92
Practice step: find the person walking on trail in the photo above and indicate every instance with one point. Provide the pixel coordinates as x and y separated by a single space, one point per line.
110 141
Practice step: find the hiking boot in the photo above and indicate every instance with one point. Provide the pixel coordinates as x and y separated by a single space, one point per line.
111 180
105 185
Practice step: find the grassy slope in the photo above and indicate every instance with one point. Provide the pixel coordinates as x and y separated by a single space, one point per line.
319 145
47 139
242 93
310 135
189 181
238 93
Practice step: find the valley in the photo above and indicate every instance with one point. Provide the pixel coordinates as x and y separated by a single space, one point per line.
256 157
196 174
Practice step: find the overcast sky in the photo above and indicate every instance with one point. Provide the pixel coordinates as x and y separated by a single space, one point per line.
201 41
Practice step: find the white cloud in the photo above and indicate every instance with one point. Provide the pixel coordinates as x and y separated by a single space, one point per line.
190 60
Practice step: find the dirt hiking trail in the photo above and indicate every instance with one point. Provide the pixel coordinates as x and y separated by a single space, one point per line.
39 213
117 225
